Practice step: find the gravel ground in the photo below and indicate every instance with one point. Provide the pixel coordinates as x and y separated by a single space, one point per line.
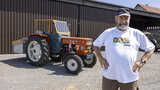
17 74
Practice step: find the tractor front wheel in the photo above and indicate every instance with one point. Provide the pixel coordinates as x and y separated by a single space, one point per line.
73 64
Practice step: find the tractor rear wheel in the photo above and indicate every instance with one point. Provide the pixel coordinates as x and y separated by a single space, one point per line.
90 62
155 44
37 51
73 64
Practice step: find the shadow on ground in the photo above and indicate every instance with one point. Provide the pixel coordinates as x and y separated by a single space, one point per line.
56 67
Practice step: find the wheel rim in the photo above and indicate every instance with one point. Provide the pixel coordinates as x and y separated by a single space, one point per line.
72 65
88 61
34 51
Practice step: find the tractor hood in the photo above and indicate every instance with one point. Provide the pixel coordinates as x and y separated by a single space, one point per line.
77 40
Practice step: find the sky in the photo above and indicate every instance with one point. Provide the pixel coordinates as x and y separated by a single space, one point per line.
133 3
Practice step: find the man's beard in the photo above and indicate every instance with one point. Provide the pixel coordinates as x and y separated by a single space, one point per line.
123 27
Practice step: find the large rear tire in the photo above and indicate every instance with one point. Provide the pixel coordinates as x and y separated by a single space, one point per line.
156 50
155 44
90 62
37 51
73 64
154 41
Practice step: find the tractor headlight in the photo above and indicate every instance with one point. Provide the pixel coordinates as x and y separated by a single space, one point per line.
82 47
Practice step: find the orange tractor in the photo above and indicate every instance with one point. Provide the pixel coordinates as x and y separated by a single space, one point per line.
52 41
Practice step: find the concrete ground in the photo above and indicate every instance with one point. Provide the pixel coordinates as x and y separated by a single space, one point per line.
17 74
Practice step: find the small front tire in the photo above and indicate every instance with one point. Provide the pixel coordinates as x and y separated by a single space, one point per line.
90 62
73 64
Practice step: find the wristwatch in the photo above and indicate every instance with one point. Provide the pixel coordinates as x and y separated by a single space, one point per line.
143 61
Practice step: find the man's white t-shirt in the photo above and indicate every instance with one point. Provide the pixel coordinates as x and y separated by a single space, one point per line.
121 49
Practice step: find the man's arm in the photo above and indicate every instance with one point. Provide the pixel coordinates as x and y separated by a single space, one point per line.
101 59
147 55
140 63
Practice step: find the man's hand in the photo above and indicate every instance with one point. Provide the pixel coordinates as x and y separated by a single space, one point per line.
102 60
104 63
137 65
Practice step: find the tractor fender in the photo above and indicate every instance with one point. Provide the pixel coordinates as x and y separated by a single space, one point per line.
66 54
40 35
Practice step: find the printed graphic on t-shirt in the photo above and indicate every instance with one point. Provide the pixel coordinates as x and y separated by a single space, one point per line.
122 41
